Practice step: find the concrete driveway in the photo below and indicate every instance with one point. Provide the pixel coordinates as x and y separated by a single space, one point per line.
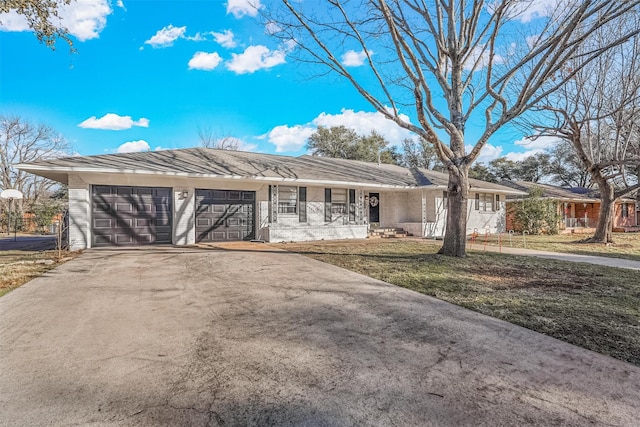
240 337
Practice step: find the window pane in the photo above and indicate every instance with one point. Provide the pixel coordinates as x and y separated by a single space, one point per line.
489 202
339 195
287 199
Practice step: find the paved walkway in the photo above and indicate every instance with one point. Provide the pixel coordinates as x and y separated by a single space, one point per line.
27 242
590 259
248 336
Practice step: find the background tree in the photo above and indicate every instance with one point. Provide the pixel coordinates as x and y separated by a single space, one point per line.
482 172
566 168
449 61
22 142
42 17
598 112
418 153
341 142
534 168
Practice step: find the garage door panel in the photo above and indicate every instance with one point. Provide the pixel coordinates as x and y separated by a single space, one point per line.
224 215
101 190
102 223
102 207
123 239
101 239
130 215
142 222
123 207
123 191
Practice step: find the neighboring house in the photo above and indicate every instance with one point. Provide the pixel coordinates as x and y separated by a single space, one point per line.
187 196
627 215
579 208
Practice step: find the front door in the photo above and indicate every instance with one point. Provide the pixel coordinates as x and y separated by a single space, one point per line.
374 207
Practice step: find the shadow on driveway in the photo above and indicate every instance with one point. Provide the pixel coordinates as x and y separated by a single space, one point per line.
239 337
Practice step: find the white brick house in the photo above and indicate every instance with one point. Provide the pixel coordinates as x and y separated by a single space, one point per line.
182 197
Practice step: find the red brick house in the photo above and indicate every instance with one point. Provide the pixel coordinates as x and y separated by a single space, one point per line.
578 208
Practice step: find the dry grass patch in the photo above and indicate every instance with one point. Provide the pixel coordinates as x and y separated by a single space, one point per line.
594 307
19 267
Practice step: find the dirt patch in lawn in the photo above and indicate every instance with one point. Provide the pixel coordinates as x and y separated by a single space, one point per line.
594 307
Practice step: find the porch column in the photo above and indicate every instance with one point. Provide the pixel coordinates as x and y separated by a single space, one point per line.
273 200
360 207
424 213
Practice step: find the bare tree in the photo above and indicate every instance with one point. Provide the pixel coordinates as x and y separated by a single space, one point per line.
22 142
598 113
451 62
41 16
209 139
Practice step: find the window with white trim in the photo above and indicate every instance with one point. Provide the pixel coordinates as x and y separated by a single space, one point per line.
287 200
486 202
625 210
339 201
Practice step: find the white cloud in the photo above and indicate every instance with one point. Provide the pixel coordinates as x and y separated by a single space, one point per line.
532 146
528 11
166 36
272 28
111 121
255 58
489 152
225 38
240 143
354 59
120 4
293 138
539 143
133 147
84 19
204 61
517 157
287 138
481 56
240 8
12 21
364 122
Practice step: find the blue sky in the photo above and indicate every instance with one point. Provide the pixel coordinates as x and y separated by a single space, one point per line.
149 74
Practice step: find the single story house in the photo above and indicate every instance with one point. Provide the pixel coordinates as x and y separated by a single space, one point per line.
578 208
193 195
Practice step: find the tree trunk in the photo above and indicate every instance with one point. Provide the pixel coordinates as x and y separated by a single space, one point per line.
455 236
604 228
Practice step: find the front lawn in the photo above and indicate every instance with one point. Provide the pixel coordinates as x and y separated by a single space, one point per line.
18 267
594 307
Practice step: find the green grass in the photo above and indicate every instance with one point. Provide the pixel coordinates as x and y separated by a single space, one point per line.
626 245
594 307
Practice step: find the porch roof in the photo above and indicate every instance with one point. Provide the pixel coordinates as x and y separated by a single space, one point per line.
561 194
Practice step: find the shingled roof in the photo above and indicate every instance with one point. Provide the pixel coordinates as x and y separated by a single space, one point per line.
216 163
575 194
